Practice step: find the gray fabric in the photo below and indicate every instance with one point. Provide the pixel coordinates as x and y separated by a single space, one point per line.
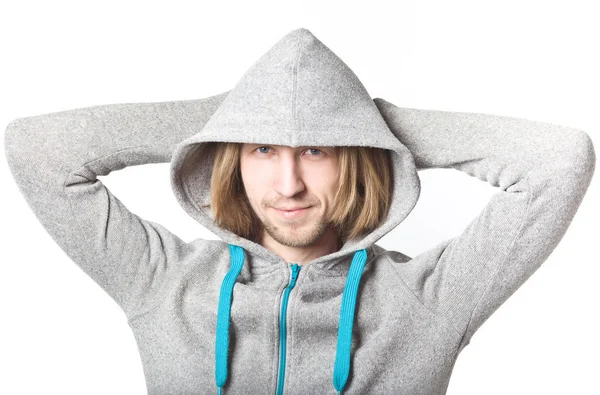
414 314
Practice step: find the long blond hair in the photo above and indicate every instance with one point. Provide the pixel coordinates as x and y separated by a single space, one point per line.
361 202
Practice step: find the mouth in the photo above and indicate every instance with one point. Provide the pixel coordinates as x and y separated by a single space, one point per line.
293 213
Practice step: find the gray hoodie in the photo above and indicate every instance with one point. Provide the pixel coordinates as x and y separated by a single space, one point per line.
229 315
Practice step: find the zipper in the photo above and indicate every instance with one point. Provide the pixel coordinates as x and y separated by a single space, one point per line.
282 327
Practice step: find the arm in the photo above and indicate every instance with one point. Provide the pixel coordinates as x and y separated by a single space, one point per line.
543 172
55 160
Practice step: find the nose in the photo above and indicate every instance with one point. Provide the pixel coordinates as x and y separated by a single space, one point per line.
288 177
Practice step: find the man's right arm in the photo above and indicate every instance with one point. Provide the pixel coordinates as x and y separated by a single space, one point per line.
55 159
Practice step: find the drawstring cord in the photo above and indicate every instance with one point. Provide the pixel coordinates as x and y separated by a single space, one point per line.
344 344
342 355
223 314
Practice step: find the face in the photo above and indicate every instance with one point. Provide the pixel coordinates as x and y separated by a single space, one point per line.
280 177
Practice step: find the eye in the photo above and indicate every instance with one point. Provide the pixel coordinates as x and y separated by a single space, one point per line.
314 149
311 151
262 152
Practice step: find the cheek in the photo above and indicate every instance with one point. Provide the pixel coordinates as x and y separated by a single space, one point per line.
254 178
326 182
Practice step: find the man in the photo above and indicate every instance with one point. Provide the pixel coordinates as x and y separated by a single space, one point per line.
292 191
299 302
299 208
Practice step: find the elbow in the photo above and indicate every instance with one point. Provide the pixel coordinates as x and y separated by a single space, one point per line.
11 136
582 155
578 162
19 140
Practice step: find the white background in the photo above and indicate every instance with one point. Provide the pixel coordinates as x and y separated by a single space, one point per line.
61 334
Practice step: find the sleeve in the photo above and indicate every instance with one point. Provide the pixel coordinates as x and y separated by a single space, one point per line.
55 159
543 172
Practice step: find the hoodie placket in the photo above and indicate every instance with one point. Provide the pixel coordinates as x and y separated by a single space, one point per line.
295 269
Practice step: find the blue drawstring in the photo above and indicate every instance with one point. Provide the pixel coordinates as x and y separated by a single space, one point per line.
223 314
342 355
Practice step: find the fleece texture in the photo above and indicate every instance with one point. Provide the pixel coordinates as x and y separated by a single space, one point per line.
414 315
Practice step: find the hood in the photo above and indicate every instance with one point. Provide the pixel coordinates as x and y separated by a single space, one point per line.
299 93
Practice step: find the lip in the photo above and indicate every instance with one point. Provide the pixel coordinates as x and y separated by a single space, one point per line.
291 213
290 209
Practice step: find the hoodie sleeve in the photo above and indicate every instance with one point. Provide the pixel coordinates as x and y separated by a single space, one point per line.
543 172
55 159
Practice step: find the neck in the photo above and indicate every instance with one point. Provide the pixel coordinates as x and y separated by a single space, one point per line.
328 244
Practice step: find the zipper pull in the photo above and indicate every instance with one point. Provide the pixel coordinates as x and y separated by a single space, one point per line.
295 270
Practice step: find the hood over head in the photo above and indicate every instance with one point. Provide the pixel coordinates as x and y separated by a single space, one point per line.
299 93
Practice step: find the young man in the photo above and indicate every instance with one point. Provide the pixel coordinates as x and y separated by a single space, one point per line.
292 191
297 200
300 302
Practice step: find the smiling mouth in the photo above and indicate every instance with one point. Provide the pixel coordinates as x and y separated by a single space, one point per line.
291 213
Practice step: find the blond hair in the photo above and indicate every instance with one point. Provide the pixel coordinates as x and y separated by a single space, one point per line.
361 202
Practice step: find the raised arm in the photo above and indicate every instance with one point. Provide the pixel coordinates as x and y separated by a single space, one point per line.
55 159
543 172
